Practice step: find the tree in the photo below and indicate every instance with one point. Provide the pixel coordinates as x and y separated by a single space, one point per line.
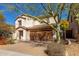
64 24
73 11
48 11
57 14
2 17
4 28
73 16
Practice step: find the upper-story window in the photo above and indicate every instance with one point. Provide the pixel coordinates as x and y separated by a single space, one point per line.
20 22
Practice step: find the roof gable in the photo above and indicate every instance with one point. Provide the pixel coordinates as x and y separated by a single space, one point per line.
26 15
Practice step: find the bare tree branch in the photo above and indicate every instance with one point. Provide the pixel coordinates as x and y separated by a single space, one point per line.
16 5
42 21
50 13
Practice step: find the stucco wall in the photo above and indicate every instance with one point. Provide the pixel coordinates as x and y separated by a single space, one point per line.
51 20
28 22
17 23
25 36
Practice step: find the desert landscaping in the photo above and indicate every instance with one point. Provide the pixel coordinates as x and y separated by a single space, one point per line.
25 48
44 29
35 49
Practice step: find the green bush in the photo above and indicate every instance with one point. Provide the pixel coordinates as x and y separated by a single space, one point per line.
4 33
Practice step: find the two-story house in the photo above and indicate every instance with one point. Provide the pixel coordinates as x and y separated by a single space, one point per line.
29 29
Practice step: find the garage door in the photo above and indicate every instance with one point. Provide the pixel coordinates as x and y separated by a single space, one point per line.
41 35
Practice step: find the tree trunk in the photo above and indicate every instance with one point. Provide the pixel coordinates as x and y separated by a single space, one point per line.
58 34
64 34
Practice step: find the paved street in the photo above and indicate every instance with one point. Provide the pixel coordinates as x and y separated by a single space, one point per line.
11 53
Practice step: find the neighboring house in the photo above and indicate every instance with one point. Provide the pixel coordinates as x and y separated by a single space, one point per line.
26 28
73 30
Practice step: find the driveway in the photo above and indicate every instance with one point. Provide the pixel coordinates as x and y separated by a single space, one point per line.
12 53
22 49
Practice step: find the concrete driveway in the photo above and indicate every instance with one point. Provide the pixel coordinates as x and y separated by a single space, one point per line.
12 53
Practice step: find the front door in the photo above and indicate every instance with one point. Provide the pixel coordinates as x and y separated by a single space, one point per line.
20 34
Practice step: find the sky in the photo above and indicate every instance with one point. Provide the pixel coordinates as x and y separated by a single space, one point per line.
10 12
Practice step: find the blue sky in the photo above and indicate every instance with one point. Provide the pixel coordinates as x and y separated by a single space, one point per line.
10 15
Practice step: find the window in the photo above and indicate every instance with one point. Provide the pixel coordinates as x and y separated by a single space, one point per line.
20 22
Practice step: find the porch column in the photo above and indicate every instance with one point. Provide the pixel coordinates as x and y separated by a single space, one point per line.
27 35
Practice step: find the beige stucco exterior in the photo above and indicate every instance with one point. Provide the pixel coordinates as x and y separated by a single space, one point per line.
27 22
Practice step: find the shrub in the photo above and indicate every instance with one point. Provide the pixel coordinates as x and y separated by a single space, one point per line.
3 40
64 24
4 33
11 41
54 49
